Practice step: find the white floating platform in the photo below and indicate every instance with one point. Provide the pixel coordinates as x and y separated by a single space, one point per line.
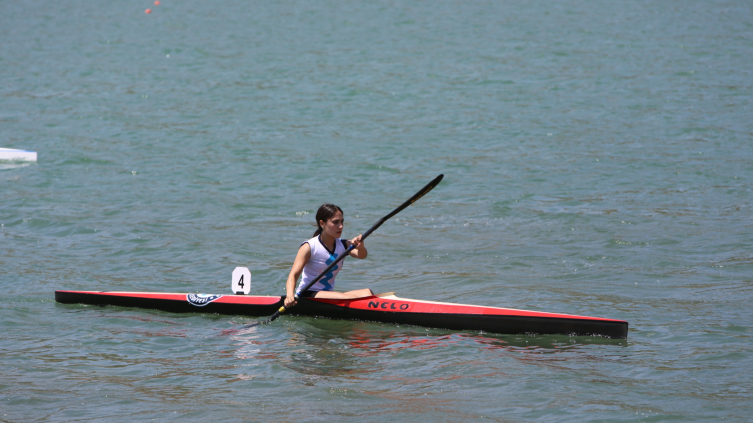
21 155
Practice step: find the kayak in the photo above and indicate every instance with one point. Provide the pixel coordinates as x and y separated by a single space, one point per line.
384 308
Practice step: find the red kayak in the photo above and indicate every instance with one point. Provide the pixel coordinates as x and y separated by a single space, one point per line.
385 308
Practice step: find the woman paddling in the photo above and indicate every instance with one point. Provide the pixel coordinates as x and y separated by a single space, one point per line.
318 252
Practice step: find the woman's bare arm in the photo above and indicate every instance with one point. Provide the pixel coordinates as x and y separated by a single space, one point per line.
303 256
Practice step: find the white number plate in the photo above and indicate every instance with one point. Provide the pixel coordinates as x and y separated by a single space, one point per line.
241 280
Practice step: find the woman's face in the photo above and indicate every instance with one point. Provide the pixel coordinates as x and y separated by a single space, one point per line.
334 226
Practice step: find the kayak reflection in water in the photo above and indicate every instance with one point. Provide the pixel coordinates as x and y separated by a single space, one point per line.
319 252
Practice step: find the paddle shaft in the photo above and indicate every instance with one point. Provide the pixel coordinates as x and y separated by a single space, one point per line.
430 186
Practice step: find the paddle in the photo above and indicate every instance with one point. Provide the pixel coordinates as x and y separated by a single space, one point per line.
430 186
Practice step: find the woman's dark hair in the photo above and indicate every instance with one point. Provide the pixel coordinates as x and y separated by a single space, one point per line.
325 213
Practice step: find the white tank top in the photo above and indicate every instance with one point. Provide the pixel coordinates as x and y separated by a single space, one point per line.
320 259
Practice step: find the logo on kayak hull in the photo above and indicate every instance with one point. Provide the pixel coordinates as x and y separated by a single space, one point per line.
200 300
388 305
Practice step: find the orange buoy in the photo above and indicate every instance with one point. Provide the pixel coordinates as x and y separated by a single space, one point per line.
156 2
148 11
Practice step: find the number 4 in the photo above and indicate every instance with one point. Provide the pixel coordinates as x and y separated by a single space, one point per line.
241 281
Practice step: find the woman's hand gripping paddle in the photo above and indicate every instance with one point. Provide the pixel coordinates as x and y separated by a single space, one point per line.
430 186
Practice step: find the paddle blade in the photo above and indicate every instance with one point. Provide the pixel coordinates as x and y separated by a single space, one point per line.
425 190
251 325
271 318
